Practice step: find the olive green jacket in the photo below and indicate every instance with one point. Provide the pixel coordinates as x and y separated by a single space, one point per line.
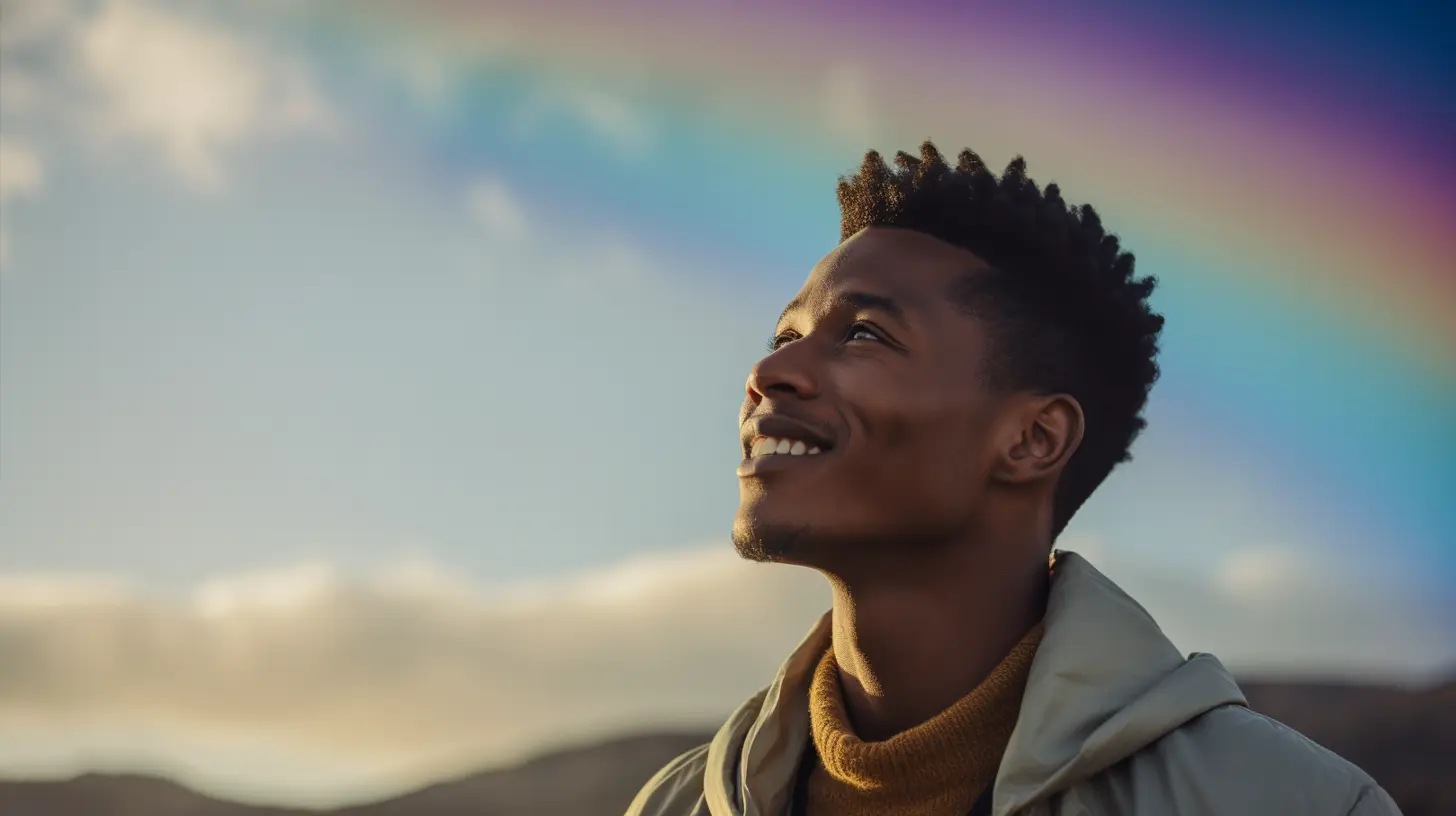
1114 721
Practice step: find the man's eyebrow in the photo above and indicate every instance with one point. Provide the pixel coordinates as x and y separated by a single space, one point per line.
858 300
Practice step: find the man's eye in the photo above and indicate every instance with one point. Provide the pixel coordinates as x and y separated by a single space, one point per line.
858 329
778 340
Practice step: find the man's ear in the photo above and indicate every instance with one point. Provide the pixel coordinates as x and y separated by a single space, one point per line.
1046 432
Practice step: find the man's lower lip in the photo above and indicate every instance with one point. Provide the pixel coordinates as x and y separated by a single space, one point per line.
776 462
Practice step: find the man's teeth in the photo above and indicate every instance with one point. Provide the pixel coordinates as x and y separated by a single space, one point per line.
769 445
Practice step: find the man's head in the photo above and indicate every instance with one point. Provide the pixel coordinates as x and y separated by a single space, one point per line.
973 346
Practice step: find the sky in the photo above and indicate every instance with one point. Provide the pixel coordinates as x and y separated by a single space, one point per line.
369 372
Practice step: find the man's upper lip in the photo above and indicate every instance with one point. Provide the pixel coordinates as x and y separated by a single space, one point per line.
782 426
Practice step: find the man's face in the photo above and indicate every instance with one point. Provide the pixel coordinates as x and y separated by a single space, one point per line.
876 370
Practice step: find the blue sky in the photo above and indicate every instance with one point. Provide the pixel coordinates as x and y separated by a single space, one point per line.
300 385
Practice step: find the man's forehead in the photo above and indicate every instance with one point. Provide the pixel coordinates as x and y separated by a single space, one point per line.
911 269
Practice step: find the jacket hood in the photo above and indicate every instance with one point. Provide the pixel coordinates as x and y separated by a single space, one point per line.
1105 683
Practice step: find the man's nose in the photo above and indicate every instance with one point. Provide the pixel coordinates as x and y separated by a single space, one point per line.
788 371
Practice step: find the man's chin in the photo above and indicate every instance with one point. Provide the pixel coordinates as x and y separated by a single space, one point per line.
756 540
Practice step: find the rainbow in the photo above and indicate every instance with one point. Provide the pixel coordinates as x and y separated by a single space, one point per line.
1290 180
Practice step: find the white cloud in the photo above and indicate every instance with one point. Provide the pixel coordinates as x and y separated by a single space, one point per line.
21 174
575 268
1284 609
39 593
21 171
606 114
1259 573
492 204
454 675
190 89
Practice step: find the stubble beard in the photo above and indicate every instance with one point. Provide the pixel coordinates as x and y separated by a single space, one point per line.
774 544
806 546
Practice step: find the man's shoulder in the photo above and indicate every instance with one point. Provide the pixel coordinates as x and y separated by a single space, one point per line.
1252 761
676 789
1240 731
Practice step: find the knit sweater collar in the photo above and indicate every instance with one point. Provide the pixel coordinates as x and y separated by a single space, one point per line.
937 767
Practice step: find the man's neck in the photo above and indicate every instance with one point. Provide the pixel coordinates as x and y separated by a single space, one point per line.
910 644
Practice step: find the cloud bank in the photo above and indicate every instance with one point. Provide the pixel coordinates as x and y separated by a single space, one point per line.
380 681
315 686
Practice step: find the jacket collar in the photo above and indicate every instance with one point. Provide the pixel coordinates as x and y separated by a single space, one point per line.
1105 682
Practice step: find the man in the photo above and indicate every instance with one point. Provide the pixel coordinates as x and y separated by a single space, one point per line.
948 387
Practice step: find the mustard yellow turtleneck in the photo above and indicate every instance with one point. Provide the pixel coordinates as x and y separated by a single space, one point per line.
937 768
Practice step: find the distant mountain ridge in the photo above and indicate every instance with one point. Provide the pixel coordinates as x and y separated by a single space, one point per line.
1405 739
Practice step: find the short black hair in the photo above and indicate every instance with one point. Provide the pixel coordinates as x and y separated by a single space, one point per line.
1063 312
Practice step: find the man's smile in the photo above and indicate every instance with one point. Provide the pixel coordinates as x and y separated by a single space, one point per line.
779 446
773 441
773 453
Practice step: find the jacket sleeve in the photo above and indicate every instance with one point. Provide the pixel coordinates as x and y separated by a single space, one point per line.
1373 801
